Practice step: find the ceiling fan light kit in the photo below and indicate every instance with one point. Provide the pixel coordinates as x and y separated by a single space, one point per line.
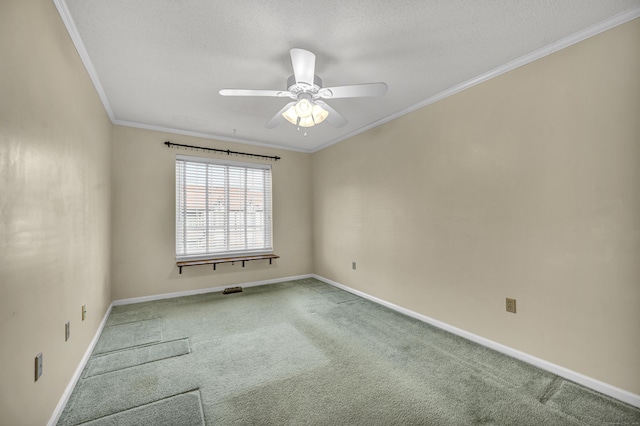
305 87
305 113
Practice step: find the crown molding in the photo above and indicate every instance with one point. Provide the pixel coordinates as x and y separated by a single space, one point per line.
63 10
509 66
208 136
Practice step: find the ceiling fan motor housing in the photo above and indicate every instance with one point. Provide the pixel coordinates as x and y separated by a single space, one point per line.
297 88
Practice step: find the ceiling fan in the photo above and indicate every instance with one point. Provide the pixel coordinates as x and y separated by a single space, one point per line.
305 87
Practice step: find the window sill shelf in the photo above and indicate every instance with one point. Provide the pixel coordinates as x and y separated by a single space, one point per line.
232 260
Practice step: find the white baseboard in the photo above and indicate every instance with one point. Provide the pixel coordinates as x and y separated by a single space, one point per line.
612 391
205 290
76 376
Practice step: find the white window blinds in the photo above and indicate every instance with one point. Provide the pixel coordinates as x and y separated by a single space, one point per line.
223 208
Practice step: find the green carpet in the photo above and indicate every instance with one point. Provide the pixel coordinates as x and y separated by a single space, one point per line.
303 352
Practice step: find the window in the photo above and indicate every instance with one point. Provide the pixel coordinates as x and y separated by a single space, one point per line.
223 208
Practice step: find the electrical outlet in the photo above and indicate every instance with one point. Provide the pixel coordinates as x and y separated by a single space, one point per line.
353 265
67 331
511 305
38 366
84 312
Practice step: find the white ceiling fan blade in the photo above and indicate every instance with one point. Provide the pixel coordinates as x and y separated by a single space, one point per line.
304 65
278 118
251 92
353 91
334 118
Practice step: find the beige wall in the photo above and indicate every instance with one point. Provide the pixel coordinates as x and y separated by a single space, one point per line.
54 209
526 186
144 216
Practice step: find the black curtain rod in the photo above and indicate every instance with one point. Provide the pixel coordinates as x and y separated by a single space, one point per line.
223 151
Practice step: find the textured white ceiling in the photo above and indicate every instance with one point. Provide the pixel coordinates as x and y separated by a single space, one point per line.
160 63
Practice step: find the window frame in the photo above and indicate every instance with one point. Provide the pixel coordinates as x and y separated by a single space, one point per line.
266 222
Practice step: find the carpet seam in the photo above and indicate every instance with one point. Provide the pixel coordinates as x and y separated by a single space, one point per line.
552 389
134 346
138 346
87 376
131 322
347 301
155 342
144 405
204 420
